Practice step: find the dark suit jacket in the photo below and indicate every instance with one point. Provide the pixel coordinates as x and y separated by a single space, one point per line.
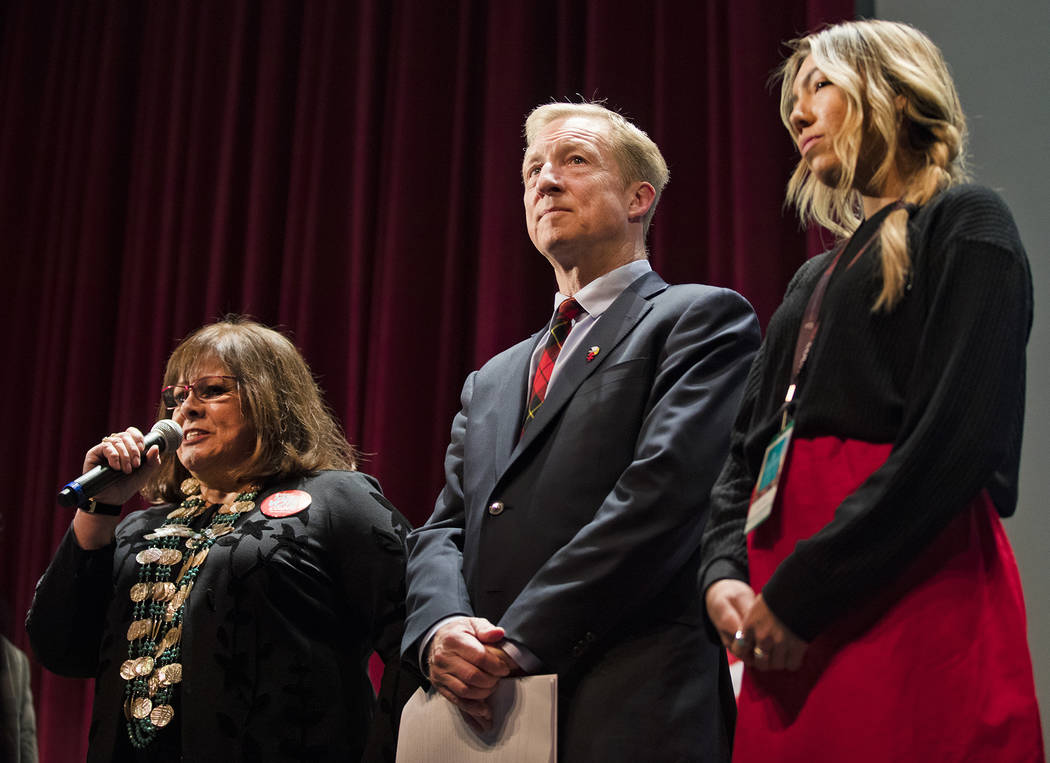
17 718
582 539
278 628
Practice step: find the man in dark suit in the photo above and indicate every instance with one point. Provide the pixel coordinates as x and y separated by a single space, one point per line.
567 536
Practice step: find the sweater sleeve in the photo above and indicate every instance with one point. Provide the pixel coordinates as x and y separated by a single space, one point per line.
67 617
368 538
961 420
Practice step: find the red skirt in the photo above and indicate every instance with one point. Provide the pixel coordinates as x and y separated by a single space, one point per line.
936 668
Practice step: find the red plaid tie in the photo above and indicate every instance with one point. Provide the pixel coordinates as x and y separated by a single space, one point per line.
566 314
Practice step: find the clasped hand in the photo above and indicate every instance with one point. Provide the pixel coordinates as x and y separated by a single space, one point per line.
764 641
465 665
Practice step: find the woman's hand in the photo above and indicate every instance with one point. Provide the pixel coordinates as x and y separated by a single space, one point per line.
728 602
772 645
123 451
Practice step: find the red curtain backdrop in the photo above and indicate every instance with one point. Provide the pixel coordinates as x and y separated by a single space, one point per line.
350 172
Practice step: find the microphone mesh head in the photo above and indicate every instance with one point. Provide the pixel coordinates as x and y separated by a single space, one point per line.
170 431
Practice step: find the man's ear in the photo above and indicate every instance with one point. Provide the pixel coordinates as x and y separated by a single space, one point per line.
642 196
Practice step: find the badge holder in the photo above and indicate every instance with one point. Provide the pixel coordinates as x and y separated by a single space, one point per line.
764 494
773 462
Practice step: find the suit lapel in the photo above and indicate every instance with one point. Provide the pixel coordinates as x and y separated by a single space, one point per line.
508 402
609 330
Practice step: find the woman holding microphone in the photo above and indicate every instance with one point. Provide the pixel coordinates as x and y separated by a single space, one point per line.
234 619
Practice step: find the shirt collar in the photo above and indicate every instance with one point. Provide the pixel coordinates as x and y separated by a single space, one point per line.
596 296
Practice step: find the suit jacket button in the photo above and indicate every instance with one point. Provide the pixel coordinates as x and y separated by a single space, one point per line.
496 508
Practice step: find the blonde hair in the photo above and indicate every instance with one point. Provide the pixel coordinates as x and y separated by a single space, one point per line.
635 152
898 91
296 433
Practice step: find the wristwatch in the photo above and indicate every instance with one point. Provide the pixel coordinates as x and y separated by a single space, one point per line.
105 509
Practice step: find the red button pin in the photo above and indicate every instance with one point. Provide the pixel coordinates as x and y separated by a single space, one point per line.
286 503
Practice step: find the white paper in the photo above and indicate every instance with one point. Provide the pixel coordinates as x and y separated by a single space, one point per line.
524 729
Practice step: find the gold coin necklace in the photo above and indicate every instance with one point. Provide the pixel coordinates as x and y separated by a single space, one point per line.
152 669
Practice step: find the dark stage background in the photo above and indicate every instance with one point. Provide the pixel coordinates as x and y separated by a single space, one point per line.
348 171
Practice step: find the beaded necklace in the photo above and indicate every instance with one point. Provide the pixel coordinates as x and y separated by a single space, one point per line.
152 669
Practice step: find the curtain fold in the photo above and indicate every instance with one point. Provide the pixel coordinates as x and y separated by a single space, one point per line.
349 172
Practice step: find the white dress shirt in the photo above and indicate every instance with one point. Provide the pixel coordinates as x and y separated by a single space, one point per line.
595 299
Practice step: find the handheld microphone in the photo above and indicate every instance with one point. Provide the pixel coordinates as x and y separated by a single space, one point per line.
165 434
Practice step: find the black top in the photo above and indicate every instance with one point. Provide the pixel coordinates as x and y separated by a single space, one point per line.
940 377
278 630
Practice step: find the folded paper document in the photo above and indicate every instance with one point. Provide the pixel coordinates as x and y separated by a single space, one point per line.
524 730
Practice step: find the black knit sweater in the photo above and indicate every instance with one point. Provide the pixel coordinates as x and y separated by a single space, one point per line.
941 377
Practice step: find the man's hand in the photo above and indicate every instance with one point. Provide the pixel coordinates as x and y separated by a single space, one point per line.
775 647
465 665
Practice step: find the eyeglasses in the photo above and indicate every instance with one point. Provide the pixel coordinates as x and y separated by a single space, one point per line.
205 388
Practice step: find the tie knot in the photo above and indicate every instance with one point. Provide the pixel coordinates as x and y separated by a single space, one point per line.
569 310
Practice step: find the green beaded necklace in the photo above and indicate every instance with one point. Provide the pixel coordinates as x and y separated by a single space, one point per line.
152 669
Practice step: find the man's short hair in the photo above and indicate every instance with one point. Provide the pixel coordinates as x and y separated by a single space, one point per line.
636 154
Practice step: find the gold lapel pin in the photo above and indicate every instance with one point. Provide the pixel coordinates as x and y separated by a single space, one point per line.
593 353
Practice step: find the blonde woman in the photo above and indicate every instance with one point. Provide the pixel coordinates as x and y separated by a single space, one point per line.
855 558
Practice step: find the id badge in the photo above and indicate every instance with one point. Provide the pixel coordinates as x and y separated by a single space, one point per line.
765 492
